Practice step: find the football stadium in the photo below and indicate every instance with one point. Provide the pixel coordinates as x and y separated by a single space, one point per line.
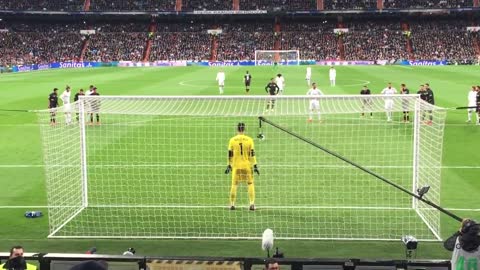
240 134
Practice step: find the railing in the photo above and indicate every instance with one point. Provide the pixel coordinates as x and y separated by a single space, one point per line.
61 261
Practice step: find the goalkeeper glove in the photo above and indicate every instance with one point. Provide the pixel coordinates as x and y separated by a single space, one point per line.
229 168
255 169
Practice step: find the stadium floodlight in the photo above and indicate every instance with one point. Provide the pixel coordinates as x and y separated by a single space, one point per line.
154 168
280 57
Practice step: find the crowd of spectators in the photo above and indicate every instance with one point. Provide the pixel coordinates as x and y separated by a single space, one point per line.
315 41
39 43
39 5
416 4
278 5
181 41
441 40
129 5
117 42
189 5
350 4
239 41
373 40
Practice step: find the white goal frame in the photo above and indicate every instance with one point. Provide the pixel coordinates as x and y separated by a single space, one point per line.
277 54
426 162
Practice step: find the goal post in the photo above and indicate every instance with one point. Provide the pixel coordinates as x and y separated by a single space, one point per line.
154 168
280 57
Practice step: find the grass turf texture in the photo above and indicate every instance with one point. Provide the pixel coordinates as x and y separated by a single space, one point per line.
21 173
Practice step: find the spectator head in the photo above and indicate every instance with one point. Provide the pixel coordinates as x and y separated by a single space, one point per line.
16 251
16 260
271 264
91 265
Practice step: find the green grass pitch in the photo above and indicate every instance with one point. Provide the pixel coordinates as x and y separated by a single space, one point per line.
22 175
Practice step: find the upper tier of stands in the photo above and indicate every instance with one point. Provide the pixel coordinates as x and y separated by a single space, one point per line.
188 5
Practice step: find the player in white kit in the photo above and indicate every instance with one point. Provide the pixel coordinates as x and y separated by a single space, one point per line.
66 105
388 91
472 104
280 81
221 80
332 74
308 76
314 93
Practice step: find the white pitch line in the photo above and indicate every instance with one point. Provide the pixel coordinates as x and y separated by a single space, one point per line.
239 206
217 165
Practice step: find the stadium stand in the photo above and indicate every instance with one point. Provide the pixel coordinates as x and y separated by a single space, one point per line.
375 40
130 5
313 40
207 5
400 4
348 4
239 42
40 43
440 39
278 5
44 5
181 42
113 42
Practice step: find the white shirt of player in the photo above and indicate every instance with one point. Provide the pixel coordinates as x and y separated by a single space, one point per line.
66 97
220 78
388 91
280 81
332 74
314 94
309 73
472 98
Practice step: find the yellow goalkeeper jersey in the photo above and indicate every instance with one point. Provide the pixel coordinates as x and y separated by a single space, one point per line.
241 152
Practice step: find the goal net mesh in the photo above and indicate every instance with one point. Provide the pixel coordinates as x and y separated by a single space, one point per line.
154 168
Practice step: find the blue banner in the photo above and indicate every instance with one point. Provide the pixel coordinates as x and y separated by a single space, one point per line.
423 63
249 63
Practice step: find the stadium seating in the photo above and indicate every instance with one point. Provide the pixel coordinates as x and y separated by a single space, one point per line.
278 5
442 40
373 40
399 4
348 4
47 5
128 5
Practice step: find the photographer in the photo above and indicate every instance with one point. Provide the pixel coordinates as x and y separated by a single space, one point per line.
464 243
271 264
16 260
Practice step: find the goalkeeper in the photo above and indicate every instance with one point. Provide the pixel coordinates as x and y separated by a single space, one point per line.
241 159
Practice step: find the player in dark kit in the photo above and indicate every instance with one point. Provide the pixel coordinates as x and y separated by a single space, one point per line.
52 105
405 104
431 100
95 107
272 89
247 79
75 98
367 102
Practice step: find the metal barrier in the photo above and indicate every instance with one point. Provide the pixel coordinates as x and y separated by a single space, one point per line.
64 261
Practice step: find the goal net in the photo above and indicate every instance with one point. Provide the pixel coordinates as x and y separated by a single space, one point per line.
154 168
280 57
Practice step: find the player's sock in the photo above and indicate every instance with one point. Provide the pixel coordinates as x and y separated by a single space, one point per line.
251 194
221 90
469 116
319 116
233 194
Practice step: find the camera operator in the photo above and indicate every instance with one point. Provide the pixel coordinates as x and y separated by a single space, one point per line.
16 260
464 243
